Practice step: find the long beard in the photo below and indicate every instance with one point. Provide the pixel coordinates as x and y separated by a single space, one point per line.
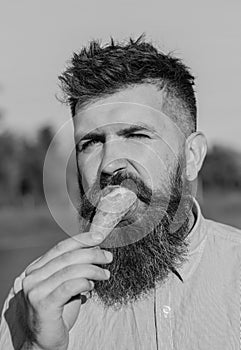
158 249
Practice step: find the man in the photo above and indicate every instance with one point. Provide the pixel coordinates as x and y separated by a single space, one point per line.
164 277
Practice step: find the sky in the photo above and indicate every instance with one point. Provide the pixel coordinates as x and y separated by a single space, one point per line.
37 38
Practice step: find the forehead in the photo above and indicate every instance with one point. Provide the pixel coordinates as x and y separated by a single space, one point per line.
136 105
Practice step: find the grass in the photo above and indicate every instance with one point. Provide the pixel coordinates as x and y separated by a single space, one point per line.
27 227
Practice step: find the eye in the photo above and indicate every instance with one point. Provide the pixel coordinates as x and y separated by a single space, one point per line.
139 135
89 143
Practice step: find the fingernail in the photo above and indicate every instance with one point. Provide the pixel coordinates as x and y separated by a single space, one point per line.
107 273
108 255
92 284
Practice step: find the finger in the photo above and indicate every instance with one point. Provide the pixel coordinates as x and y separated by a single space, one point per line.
82 240
86 271
59 295
63 293
110 211
79 256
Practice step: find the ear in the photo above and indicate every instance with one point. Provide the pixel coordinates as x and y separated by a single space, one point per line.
195 150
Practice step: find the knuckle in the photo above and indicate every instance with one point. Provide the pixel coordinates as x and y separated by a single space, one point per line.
65 288
65 258
33 296
67 270
59 247
26 283
97 253
98 271
28 270
93 253
83 284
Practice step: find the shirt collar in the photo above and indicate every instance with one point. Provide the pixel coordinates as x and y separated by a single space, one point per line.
197 239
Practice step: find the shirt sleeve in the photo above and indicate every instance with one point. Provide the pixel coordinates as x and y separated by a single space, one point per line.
12 327
13 323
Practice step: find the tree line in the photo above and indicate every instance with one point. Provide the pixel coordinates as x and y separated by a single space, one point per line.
21 168
221 169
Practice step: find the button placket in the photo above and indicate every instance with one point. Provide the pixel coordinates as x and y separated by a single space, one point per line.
164 326
166 310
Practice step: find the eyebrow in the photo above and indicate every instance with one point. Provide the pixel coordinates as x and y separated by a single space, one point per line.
123 132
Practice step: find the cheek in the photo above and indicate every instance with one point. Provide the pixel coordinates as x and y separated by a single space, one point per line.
88 168
152 162
159 162
146 161
151 168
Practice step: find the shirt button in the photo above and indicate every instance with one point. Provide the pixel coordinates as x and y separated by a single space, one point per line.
166 309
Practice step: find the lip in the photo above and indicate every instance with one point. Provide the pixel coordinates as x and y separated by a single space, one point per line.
133 208
108 189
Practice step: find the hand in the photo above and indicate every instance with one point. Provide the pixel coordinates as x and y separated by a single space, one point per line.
66 270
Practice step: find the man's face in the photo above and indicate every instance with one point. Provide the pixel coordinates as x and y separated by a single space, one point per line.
122 138
149 149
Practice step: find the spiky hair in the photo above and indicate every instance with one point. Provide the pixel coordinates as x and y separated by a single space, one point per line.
98 71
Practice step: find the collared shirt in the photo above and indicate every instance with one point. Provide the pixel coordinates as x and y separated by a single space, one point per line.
202 312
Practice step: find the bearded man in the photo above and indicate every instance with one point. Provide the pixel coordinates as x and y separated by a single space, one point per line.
163 277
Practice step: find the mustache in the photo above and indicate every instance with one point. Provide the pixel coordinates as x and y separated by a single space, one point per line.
166 200
90 199
130 181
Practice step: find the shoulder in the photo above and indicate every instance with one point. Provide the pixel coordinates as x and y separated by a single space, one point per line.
224 242
223 231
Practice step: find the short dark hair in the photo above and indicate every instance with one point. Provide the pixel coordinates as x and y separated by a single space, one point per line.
101 70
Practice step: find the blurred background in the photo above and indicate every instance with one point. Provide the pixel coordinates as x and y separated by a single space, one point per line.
36 40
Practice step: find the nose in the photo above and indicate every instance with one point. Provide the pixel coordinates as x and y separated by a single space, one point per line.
114 166
114 158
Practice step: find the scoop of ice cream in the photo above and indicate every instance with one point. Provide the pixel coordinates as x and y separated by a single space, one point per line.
111 209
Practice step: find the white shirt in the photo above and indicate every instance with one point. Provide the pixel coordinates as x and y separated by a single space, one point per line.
201 313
